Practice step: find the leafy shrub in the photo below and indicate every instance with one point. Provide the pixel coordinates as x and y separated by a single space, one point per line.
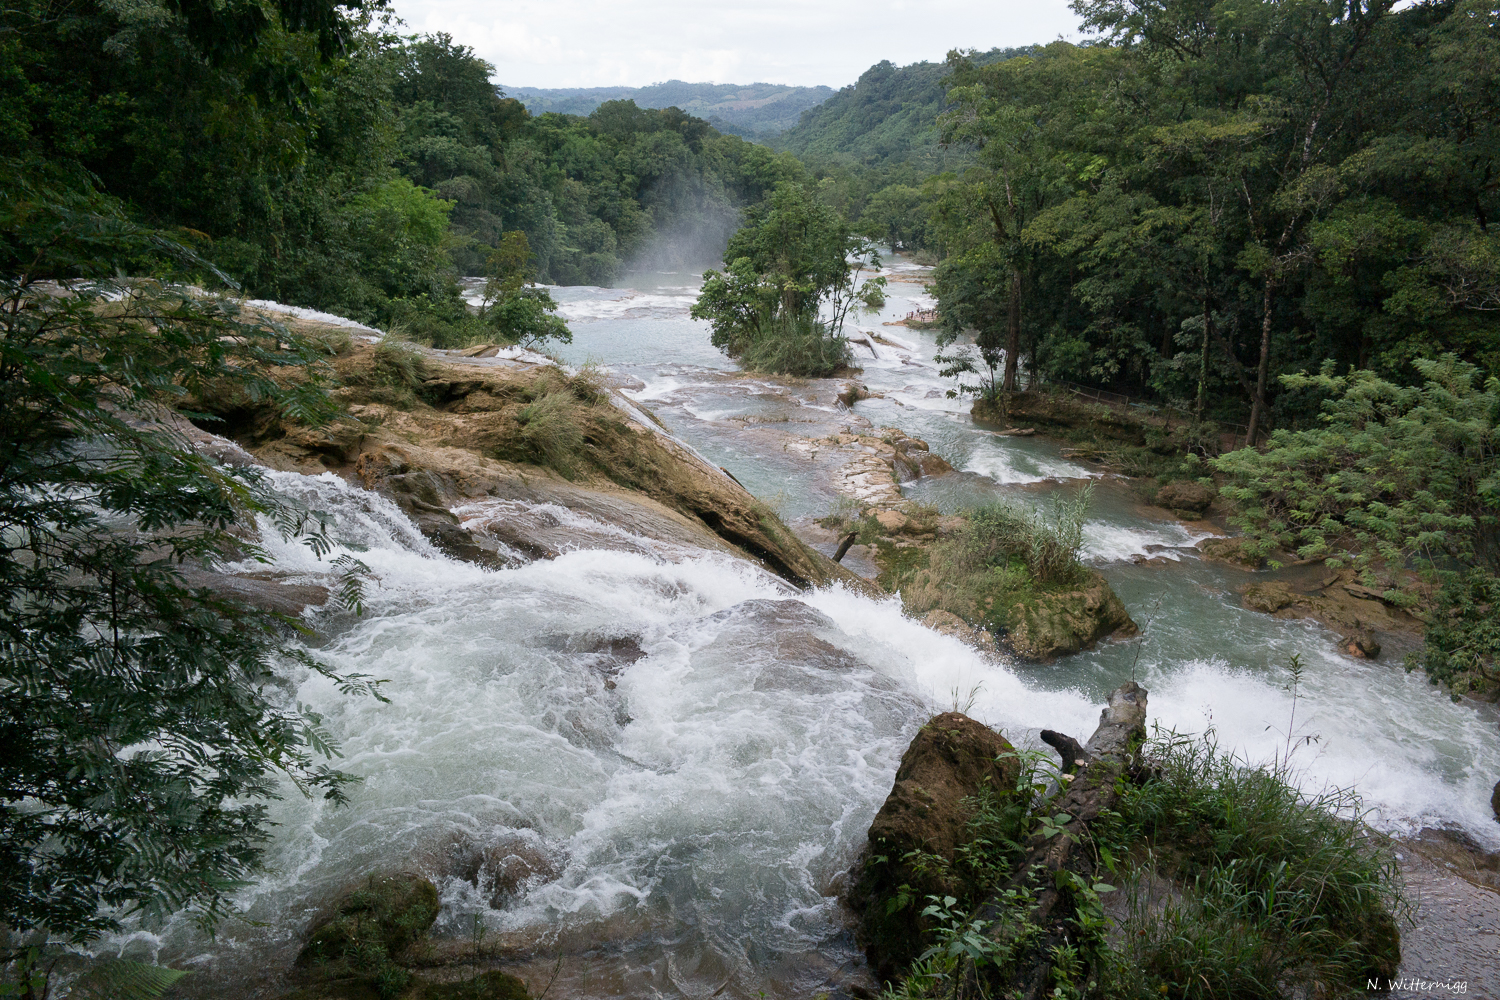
798 346
1463 633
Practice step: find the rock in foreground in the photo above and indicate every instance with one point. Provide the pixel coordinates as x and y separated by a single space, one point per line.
951 760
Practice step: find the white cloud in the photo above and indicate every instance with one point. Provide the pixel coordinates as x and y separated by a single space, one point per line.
588 43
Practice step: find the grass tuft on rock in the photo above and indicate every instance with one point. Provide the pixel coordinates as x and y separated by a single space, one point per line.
1276 893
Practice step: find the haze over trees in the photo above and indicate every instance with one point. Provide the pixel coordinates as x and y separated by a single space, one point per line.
757 111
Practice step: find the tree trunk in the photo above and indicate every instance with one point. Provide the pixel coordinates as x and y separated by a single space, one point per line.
1013 331
1098 764
1208 326
1258 407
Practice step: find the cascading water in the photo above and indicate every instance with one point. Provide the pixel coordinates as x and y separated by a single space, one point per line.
659 763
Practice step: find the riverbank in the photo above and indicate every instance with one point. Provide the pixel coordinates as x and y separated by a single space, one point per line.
1164 466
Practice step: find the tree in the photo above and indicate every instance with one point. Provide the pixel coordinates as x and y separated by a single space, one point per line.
519 313
140 731
1398 478
792 278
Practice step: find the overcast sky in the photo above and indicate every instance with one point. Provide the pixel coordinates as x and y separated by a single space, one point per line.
587 43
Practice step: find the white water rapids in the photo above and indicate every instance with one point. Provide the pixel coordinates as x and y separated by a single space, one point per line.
659 764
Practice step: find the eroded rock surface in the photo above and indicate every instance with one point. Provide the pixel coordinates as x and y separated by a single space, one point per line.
951 760
1059 622
435 433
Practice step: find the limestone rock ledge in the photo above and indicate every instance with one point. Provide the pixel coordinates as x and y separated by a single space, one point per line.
437 433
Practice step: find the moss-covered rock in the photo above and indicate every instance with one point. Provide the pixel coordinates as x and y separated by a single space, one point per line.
393 911
360 947
1185 497
1056 622
921 826
1231 551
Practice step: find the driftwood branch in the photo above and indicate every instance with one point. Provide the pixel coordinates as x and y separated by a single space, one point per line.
1073 753
1108 754
844 546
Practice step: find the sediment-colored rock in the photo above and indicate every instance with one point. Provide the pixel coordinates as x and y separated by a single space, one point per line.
1188 497
1229 550
447 432
1059 622
951 760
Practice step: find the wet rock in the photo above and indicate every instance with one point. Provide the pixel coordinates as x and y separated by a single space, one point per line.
1189 497
1059 622
952 759
853 392
266 593
1229 550
1495 802
1362 646
463 436
1339 606
1268 598
378 922
947 623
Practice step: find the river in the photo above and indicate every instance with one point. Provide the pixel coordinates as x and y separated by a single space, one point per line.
661 764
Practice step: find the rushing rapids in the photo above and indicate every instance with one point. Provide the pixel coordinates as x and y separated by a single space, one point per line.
645 768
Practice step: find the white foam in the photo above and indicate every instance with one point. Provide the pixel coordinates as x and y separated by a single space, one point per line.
1007 465
302 312
1104 542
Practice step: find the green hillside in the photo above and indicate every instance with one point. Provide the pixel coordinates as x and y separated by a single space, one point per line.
754 111
887 117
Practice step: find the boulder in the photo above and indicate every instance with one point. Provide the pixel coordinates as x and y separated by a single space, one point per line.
1055 623
853 392
891 520
372 926
1229 550
1495 802
951 760
1362 646
1190 497
947 623
1268 598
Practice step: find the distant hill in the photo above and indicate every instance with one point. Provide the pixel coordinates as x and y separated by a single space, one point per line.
887 117
754 111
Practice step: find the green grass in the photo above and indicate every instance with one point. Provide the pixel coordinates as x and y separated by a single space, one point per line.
1280 893
1269 893
798 346
1002 559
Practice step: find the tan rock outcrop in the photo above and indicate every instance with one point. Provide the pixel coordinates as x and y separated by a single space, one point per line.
435 433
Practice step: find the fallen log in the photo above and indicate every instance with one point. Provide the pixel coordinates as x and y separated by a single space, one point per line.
1096 767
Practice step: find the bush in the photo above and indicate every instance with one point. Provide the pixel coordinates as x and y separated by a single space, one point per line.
1049 545
1258 891
797 346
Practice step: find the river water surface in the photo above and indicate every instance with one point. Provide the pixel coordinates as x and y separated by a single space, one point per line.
647 771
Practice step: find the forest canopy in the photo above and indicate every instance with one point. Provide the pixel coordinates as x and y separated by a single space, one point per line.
326 161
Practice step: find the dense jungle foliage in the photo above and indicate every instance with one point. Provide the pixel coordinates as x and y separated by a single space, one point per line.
1212 196
337 165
